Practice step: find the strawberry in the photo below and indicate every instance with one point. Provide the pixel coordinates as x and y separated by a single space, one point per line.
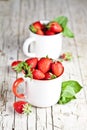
48 32
66 56
15 63
38 25
40 32
22 107
37 28
44 64
57 68
49 75
32 62
37 74
55 27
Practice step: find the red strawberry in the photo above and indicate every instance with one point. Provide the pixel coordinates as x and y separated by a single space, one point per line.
57 68
55 27
37 74
48 32
38 25
40 32
15 64
32 62
22 107
49 75
44 64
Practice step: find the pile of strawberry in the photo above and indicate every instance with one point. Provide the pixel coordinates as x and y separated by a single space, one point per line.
41 69
50 28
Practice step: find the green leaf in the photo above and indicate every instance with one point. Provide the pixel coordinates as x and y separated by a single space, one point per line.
64 100
62 20
71 84
67 32
68 91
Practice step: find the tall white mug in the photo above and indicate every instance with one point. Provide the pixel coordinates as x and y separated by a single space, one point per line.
43 45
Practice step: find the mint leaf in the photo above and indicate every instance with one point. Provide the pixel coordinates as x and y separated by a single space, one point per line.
68 91
65 100
67 32
71 84
62 20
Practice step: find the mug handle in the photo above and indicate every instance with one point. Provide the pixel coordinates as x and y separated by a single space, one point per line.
16 84
26 46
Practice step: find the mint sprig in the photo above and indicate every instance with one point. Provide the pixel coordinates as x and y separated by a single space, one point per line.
63 21
69 90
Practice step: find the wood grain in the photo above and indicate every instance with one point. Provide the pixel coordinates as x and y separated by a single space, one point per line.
15 17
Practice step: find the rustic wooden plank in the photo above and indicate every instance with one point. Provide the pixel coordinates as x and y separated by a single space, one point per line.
81 38
41 119
1 36
69 116
55 8
49 119
6 95
77 20
31 121
10 35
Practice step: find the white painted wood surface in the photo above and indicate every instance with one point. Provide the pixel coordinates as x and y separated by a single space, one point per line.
15 17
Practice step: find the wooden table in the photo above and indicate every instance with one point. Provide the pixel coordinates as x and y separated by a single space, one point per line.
15 17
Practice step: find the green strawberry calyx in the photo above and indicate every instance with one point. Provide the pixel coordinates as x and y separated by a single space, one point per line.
23 66
32 28
27 108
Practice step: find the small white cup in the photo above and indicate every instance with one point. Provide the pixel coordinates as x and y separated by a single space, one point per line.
40 93
43 45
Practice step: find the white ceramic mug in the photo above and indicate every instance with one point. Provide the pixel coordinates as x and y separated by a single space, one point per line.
43 45
40 93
